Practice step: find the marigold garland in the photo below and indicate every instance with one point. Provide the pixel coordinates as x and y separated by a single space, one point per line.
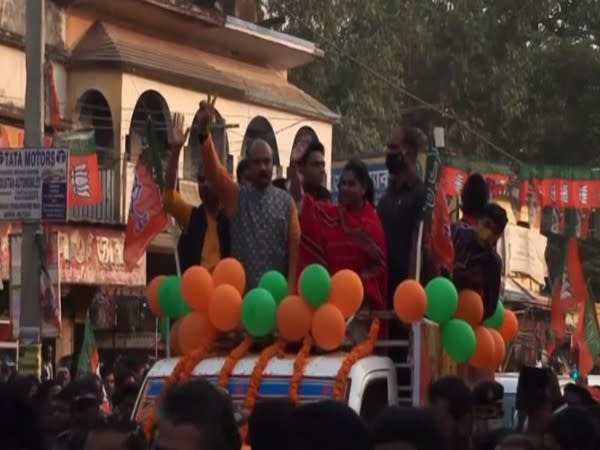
266 355
181 372
236 354
358 352
299 365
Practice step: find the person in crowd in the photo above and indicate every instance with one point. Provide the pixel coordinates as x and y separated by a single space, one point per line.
572 429
311 165
205 229
345 236
20 425
490 440
110 433
63 376
26 385
578 396
451 402
519 442
54 412
595 414
327 425
266 424
401 207
398 428
265 232
47 363
123 400
109 383
538 396
487 406
477 264
196 415
475 195
242 173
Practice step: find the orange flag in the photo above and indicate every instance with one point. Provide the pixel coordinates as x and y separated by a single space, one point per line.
146 216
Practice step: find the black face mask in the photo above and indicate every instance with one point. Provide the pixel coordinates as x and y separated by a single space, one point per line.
394 162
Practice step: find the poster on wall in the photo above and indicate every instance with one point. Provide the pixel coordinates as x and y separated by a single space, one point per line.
49 286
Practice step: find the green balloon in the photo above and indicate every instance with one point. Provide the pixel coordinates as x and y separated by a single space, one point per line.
275 283
259 311
496 320
459 341
170 298
315 285
442 300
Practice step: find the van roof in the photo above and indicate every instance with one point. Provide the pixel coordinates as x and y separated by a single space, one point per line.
322 366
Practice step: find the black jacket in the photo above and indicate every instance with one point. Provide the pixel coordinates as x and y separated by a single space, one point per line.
191 241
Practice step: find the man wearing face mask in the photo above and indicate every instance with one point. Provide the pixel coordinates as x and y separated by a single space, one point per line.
401 206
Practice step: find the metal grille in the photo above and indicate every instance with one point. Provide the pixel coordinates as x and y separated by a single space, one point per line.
104 212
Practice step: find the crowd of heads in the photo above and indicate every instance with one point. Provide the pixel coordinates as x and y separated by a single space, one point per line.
198 415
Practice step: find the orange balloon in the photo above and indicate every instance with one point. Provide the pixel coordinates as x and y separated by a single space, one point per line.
510 327
485 351
230 271
410 301
499 348
294 318
224 308
470 307
152 295
328 327
192 330
174 338
347 292
197 287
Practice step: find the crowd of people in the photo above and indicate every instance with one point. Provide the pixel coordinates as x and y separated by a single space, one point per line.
197 415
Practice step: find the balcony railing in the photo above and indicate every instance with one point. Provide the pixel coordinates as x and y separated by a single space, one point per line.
106 212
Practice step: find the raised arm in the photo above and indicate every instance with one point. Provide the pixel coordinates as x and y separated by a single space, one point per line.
227 189
172 201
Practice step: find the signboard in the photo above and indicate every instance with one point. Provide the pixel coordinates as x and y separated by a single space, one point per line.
30 359
524 252
95 256
377 171
33 184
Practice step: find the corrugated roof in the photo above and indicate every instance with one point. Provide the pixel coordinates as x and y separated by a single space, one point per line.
105 44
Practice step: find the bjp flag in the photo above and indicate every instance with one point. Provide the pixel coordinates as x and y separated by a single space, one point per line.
146 215
85 188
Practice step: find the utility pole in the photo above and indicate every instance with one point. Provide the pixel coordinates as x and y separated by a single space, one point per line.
31 317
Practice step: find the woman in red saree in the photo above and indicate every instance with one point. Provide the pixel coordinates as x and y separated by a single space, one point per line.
348 235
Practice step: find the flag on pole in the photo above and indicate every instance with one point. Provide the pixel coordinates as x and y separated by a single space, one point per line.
85 187
146 215
564 294
89 359
437 239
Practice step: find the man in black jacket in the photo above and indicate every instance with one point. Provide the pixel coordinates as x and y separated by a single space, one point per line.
311 164
205 229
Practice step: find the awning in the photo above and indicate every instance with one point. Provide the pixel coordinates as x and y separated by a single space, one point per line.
106 45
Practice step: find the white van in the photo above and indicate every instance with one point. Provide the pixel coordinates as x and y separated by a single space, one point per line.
371 386
509 381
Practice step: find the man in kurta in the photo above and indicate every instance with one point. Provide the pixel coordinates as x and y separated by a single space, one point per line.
205 229
265 232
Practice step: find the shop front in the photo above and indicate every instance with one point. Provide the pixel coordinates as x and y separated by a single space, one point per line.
93 278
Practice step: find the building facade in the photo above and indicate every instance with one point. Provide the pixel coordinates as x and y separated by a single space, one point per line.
111 64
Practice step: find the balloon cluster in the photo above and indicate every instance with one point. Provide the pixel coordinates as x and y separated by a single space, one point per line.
466 337
201 302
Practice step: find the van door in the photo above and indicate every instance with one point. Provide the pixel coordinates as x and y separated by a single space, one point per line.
379 391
